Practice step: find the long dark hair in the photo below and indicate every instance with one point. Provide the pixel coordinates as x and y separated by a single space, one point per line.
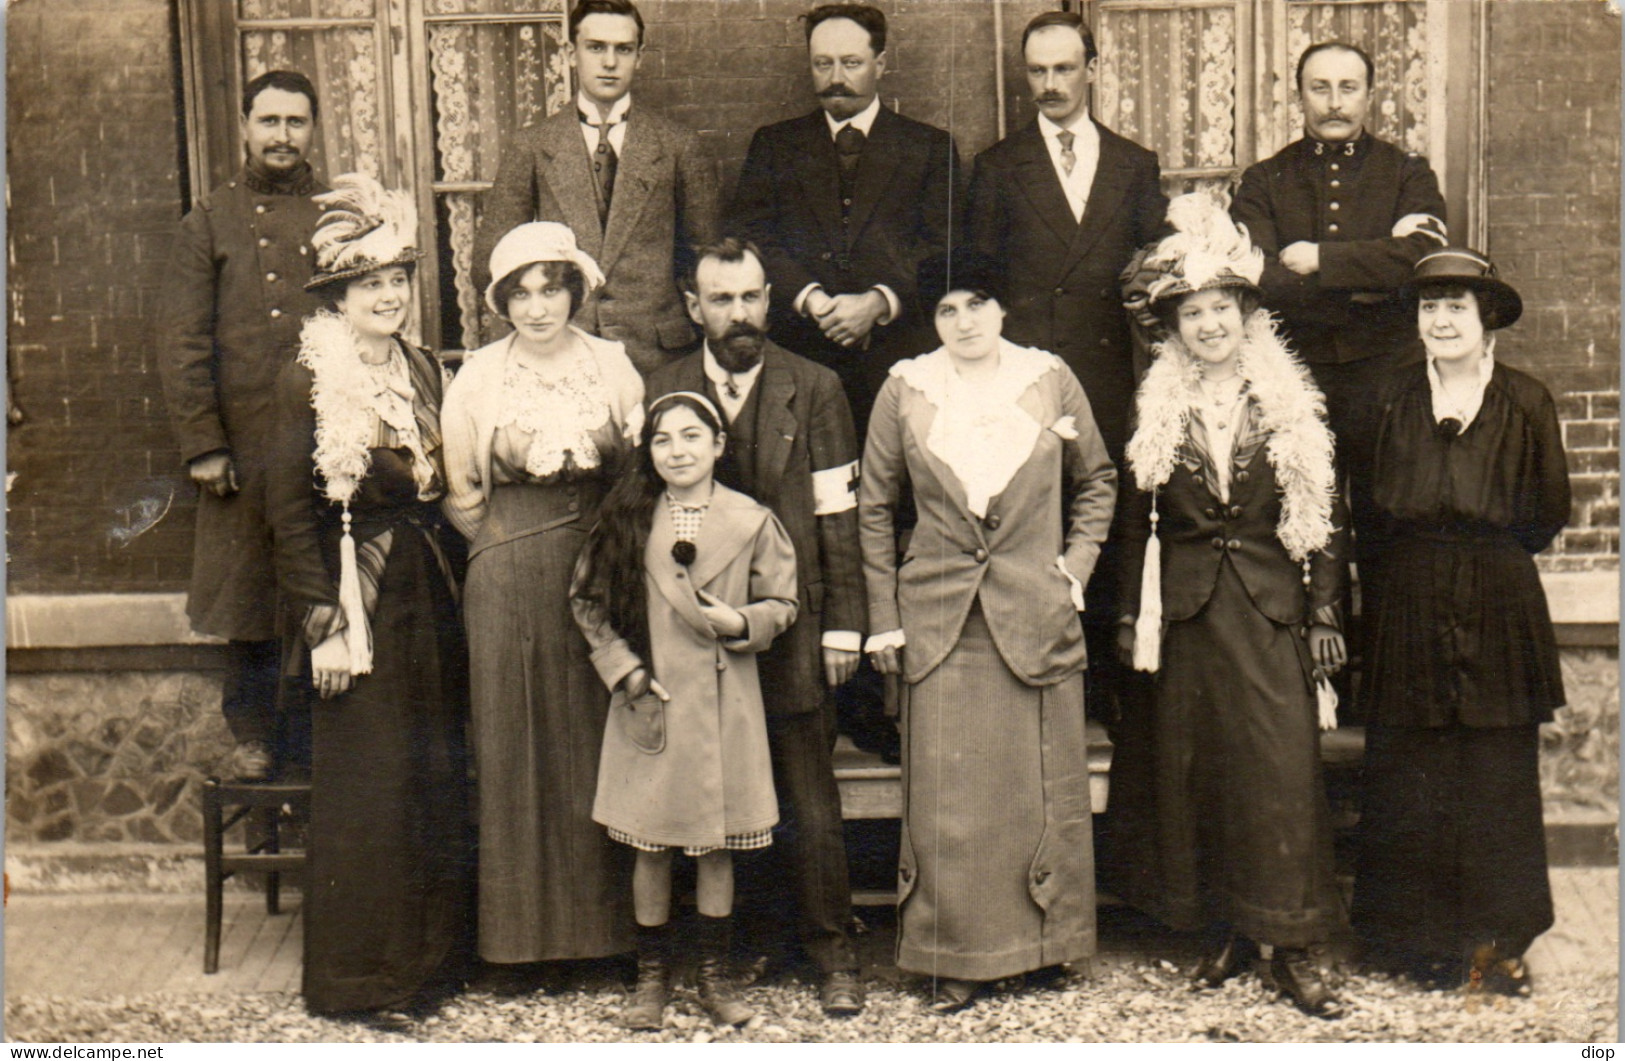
613 554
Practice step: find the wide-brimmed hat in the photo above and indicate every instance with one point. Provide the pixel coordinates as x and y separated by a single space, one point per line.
364 227
1498 304
1206 251
538 241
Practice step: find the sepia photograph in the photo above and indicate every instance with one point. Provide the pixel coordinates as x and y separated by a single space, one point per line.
763 521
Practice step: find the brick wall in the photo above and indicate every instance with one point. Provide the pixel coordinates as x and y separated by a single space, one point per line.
92 180
1554 202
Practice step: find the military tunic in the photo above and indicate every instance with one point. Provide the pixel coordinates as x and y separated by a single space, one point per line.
233 302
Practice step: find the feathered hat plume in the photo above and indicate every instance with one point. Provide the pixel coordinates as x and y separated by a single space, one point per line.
365 227
1207 250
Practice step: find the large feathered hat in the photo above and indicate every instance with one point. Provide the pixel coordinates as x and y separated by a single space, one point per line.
365 227
1207 250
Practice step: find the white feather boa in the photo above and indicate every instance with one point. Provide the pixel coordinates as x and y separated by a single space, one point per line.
1290 408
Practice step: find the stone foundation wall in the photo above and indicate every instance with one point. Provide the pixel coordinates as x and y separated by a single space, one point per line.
120 757
107 757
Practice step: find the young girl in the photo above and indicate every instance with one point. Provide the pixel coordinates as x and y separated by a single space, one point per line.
1220 789
681 583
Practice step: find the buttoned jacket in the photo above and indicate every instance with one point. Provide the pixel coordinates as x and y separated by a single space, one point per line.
1345 198
231 306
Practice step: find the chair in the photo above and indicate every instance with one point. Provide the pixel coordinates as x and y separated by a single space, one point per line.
225 803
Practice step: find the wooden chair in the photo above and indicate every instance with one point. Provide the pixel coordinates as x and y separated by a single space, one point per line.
225 803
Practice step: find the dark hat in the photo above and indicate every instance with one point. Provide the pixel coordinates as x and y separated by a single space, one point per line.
965 270
1498 304
364 227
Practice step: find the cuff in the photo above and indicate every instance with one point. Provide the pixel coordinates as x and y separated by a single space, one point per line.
321 622
800 303
1073 583
889 639
894 307
844 640
1328 615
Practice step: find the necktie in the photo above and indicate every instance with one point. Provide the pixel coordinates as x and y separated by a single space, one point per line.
604 163
849 148
1069 159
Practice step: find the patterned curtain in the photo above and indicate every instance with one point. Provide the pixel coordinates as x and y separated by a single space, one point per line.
1394 34
1167 80
488 81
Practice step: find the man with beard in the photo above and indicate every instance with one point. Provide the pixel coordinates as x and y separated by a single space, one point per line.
233 301
846 202
791 447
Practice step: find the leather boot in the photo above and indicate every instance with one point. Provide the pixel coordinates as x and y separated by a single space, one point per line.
717 993
646 1006
1225 962
1297 975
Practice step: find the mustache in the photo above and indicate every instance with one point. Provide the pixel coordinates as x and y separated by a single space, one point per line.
1050 97
743 330
837 91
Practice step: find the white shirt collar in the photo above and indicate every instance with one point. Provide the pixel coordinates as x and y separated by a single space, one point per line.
720 376
1444 408
1082 127
862 121
589 107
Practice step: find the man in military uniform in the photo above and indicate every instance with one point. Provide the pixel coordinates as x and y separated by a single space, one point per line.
233 302
1341 217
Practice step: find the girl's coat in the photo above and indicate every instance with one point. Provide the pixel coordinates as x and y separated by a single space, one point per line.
712 778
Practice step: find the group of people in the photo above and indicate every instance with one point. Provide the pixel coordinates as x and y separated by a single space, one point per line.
1103 436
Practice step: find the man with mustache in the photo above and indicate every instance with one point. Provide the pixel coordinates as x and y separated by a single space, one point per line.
1342 217
791 446
846 202
634 187
1063 204
233 302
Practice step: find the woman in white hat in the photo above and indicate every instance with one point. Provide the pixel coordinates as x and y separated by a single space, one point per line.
538 425
1235 569
355 489
1469 483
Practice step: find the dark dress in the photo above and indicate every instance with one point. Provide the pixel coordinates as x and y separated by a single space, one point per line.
1218 812
1463 669
387 902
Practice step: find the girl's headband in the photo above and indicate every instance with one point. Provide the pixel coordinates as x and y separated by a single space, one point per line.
702 399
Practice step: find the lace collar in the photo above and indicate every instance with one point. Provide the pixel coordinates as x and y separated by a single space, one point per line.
1445 407
980 430
560 413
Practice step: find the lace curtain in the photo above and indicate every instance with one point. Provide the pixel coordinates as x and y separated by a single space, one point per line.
488 81
1169 76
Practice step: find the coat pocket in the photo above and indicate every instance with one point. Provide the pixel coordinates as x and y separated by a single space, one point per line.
643 721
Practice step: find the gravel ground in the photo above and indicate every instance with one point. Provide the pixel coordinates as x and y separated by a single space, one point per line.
1129 999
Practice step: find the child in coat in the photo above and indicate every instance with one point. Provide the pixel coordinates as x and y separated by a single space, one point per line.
680 584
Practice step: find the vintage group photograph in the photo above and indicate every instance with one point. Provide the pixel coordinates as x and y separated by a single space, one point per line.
762 521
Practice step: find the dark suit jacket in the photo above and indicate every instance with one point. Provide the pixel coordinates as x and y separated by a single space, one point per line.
664 202
804 426
788 202
1350 309
1063 293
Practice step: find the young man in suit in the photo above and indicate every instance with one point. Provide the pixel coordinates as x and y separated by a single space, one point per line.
845 203
1341 218
635 188
791 446
1063 204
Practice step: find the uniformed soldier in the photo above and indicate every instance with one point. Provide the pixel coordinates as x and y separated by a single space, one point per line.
1341 217
233 301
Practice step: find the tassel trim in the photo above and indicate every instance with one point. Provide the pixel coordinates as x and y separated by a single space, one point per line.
357 629
1148 625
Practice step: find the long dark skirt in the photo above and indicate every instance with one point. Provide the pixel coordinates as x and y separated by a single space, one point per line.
1218 809
997 874
387 903
1452 845
552 883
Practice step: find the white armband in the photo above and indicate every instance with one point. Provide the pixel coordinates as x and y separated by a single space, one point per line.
835 489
